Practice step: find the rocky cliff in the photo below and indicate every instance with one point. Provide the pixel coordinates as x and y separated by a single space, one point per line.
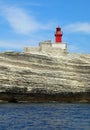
38 77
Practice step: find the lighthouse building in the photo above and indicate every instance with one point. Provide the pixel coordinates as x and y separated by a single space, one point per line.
58 40
47 46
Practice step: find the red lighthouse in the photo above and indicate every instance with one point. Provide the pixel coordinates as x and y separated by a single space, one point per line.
58 35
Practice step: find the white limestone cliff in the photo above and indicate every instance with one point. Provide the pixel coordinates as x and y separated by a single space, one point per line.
55 74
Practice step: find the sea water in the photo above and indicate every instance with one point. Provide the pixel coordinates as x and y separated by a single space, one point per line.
44 116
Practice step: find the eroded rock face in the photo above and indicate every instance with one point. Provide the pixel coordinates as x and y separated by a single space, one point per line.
44 73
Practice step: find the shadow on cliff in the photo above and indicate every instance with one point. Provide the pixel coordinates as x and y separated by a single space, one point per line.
17 94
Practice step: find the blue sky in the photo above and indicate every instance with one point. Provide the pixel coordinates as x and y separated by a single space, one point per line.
27 22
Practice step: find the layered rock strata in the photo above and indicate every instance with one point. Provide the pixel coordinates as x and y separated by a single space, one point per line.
44 77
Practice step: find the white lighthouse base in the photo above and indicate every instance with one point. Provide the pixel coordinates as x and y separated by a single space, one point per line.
62 46
48 47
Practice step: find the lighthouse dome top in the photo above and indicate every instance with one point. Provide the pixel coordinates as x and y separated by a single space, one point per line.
58 28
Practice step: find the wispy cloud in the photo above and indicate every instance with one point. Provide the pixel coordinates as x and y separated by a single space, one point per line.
78 27
25 24
19 44
19 20
14 45
73 48
10 44
22 22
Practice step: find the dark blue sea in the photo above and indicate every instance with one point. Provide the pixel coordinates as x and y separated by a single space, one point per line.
44 116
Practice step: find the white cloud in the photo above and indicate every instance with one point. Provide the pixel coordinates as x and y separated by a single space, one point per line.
22 22
19 44
73 48
78 27
10 44
76 48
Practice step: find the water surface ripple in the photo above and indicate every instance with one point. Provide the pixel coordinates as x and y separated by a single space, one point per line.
44 116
